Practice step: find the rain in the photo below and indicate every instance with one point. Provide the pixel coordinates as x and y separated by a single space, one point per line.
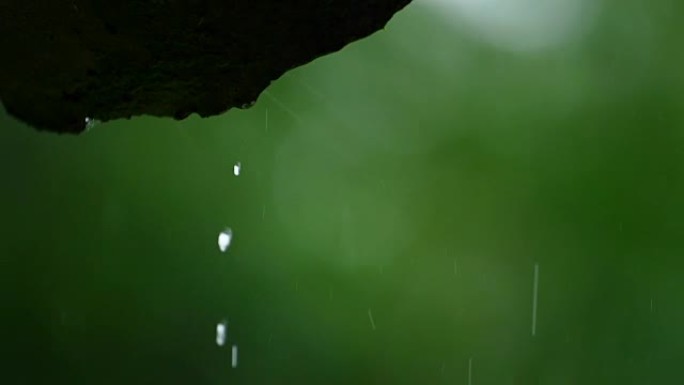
225 238
221 330
370 318
422 175
534 299
234 356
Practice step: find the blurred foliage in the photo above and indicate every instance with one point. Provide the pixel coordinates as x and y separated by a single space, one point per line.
420 173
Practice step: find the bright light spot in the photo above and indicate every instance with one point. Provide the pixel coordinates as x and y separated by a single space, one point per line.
89 123
236 168
224 239
519 25
233 356
221 328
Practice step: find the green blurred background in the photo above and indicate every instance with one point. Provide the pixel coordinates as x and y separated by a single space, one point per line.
419 175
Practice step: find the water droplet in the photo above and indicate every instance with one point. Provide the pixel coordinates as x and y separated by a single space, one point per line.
234 356
236 168
224 239
248 105
221 329
90 123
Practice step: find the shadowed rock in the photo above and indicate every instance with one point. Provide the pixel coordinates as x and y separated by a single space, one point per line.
65 60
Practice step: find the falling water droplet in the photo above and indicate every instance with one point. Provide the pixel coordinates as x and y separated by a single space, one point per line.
236 168
89 123
221 329
248 105
224 239
234 356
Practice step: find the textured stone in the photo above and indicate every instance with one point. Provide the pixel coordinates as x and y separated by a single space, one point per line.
65 60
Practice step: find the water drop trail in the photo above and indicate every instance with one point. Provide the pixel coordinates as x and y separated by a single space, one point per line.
221 329
234 356
534 299
312 90
370 317
283 106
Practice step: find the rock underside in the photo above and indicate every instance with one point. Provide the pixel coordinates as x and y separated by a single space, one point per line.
68 60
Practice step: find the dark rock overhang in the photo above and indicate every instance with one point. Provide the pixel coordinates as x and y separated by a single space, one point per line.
68 60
